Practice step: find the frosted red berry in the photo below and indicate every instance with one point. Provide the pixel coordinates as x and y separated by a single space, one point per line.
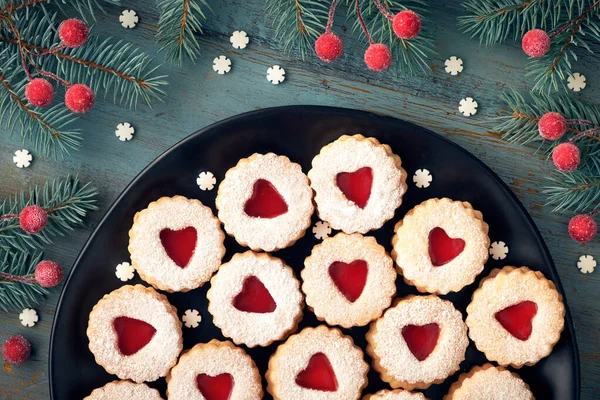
536 43
406 24
48 273
73 32
329 47
552 126
566 157
16 350
582 228
33 219
378 57
79 98
39 92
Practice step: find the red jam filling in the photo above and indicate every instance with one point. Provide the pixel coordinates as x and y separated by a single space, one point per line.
443 248
356 185
421 340
265 202
318 375
132 334
254 297
179 245
215 387
517 319
350 278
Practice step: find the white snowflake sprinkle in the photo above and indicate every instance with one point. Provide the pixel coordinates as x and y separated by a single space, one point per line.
468 107
454 65
191 318
206 180
498 250
275 74
576 82
28 317
586 264
239 40
321 230
22 158
124 131
422 178
124 271
129 19
221 65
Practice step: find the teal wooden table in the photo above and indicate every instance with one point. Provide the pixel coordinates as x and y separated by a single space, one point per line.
197 97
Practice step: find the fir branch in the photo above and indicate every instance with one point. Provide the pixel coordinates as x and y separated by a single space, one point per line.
83 7
298 23
66 201
575 192
178 23
19 295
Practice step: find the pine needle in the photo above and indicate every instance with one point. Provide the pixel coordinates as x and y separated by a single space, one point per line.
19 295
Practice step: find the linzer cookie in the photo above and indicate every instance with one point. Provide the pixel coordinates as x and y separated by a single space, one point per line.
397 394
489 383
124 390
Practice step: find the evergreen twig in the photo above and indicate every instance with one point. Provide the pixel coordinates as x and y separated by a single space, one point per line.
19 295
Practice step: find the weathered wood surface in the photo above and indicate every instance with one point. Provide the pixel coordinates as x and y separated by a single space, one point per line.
199 97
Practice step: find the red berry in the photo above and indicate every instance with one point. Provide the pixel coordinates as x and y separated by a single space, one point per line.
582 228
406 24
48 273
552 126
16 350
39 92
566 157
536 43
329 47
79 98
33 219
378 57
73 32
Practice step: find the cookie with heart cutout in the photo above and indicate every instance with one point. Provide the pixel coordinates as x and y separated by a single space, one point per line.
516 316
121 390
317 363
489 383
176 244
348 280
397 394
255 299
265 202
213 371
419 341
358 183
441 245
135 333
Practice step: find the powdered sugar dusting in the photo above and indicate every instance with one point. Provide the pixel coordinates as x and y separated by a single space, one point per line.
489 383
397 394
124 390
214 358
255 329
293 356
396 362
411 245
327 302
348 154
156 358
266 234
505 288
150 258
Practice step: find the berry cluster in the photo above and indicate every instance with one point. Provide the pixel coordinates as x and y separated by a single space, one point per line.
79 98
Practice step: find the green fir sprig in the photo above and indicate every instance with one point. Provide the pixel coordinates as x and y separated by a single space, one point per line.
15 295
66 202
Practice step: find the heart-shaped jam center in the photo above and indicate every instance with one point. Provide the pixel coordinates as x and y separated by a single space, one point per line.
132 334
517 319
356 185
254 297
179 245
318 375
215 387
421 339
443 248
350 278
265 202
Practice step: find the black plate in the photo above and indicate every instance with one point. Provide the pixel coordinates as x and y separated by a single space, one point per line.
299 133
